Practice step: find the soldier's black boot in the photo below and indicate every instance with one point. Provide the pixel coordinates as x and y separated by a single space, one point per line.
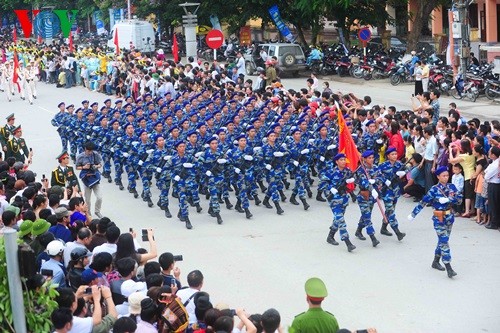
119 183
198 207
350 246
180 217
134 192
150 203
167 213
359 233
330 239
262 187
375 241
188 223
286 183
400 234
353 196
211 211
219 197
309 193
228 203
190 201
257 200
450 271
436 264
219 218
266 202
313 171
304 202
238 206
279 211
109 178
248 214
282 195
384 230
319 197
293 199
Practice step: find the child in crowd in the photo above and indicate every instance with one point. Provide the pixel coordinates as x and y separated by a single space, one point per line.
458 180
410 150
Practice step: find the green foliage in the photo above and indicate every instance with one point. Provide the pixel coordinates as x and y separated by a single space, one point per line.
38 304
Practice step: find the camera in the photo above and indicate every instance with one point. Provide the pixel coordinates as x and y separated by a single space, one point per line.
47 272
144 235
178 258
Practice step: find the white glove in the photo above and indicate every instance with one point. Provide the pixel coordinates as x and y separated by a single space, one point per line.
256 149
149 151
119 139
248 157
206 145
208 173
283 145
237 170
135 143
125 154
379 141
443 200
305 151
310 141
264 140
168 157
140 162
334 191
330 147
371 181
354 135
235 142
177 178
278 154
349 180
198 154
374 194
411 217
158 170
388 182
112 150
187 165
95 128
400 173
88 137
322 158
295 163
268 166
222 161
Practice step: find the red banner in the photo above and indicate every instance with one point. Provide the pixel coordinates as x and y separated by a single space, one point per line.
346 143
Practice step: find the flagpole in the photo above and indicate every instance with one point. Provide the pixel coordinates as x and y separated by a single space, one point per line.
385 219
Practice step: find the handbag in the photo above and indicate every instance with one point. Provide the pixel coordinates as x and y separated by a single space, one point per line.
90 177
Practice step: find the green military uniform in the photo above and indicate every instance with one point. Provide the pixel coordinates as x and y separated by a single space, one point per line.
5 132
63 176
17 148
315 320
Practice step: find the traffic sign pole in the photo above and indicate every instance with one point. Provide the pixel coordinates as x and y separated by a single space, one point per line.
214 39
364 35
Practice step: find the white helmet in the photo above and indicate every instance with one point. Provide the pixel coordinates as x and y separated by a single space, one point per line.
54 248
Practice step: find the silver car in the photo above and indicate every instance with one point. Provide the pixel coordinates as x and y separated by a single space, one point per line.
291 58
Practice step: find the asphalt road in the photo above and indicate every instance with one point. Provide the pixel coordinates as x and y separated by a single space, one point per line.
264 262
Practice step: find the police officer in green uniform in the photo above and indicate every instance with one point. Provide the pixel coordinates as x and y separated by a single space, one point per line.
16 146
6 131
64 175
315 320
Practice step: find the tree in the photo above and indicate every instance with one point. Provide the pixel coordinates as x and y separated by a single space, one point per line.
420 18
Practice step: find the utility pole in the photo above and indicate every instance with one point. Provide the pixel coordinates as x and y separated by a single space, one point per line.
462 32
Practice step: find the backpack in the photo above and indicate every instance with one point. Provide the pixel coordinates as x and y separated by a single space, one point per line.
116 293
175 316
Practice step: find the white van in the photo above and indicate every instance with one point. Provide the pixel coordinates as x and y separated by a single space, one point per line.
140 33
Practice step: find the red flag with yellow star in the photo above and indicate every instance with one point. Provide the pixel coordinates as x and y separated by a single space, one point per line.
346 143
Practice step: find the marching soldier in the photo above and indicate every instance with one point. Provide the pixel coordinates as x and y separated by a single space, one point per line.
17 148
64 175
213 162
389 176
7 84
272 155
366 179
60 121
335 182
441 197
29 82
299 165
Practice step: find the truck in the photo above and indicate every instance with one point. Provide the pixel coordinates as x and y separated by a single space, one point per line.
138 33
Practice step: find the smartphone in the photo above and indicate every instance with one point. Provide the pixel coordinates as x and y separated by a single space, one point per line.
130 230
88 291
47 272
144 235
43 176
412 95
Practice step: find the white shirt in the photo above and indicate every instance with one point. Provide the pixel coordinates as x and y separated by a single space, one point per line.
184 295
431 148
240 64
106 247
492 172
81 325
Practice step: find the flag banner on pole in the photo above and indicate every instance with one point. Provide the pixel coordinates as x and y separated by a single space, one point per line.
175 49
347 146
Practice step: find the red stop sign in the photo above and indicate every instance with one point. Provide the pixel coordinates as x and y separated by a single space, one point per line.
215 39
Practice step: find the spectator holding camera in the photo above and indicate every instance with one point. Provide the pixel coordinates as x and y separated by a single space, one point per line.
112 234
125 248
89 163
167 263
